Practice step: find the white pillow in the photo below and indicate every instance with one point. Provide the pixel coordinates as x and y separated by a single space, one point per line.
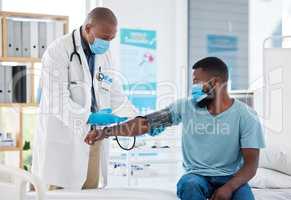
7 191
276 156
5 178
266 178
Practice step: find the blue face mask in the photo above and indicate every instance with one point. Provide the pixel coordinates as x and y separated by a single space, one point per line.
99 46
197 93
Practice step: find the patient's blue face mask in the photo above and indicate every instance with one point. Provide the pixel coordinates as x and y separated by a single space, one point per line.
99 46
197 93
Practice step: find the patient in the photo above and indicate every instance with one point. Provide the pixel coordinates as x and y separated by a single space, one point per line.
221 136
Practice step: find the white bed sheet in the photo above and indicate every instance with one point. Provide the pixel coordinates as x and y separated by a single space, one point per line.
109 194
147 194
272 194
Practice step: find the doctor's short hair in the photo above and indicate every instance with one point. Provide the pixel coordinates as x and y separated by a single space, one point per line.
213 66
101 15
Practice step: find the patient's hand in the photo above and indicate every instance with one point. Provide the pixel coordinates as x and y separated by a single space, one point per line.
93 136
222 193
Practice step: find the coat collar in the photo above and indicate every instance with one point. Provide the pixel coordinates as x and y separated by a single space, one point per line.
85 44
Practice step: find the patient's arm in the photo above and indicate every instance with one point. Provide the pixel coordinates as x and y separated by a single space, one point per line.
246 173
134 127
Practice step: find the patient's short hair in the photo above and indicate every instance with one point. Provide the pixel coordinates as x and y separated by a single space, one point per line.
214 66
101 15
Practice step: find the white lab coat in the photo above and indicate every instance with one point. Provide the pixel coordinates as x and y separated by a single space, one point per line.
60 156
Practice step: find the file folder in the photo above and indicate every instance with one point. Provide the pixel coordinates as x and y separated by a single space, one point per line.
50 34
42 44
34 39
10 38
17 38
19 84
1 51
29 84
26 39
8 84
2 84
46 35
14 37
59 29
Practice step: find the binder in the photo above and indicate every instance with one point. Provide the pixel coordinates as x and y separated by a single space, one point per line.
8 84
34 39
1 51
19 84
17 38
29 84
42 44
26 39
59 29
50 34
2 84
14 37
10 38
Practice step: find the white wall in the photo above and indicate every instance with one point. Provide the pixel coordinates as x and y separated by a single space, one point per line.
90 4
286 18
161 16
220 17
264 18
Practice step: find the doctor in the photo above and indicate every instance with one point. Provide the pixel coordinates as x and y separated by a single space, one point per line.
77 79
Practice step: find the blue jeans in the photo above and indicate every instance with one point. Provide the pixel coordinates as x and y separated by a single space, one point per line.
195 187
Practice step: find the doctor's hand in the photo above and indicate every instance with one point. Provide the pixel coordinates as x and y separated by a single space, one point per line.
104 117
156 131
93 136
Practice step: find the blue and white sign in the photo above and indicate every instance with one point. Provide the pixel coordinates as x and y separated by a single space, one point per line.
138 64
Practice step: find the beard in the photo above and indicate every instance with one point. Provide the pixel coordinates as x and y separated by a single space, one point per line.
206 101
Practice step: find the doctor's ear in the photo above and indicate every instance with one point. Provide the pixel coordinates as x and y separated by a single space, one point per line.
87 28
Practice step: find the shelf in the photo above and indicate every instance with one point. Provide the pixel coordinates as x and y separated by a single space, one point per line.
20 59
165 161
18 105
31 62
173 149
33 15
10 149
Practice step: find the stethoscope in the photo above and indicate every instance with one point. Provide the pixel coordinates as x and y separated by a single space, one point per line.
100 77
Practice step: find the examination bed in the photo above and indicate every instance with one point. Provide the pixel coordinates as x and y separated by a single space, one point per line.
109 194
272 194
17 190
148 194
145 194
14 188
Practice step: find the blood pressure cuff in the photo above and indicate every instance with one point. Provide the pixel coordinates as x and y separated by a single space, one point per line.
158 121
